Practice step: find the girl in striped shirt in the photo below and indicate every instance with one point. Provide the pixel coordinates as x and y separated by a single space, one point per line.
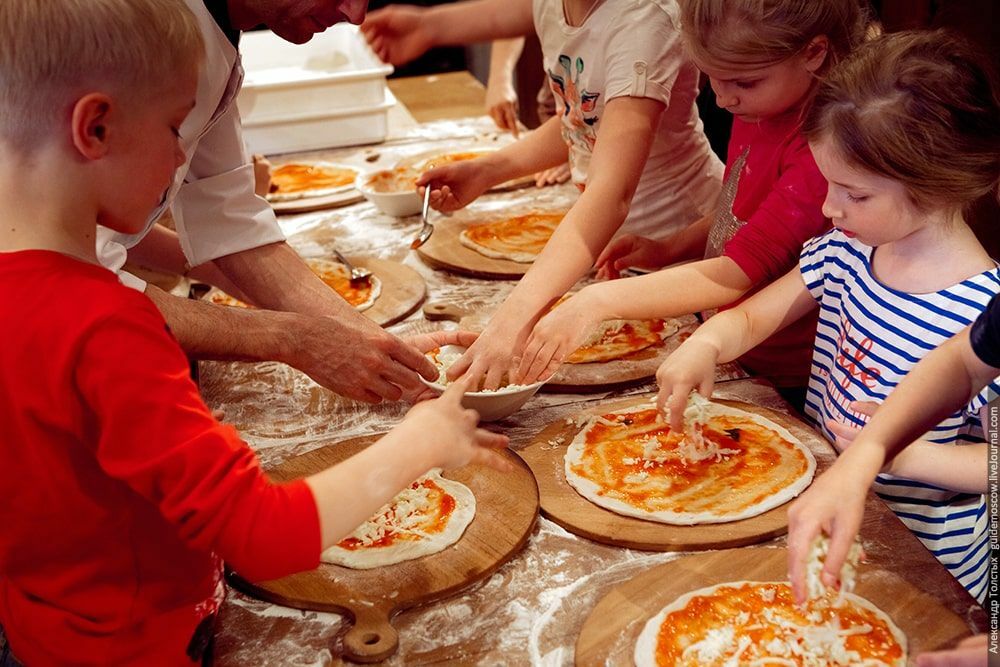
905 133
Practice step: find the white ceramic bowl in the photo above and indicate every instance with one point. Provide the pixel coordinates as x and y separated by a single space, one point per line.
399 203
491 405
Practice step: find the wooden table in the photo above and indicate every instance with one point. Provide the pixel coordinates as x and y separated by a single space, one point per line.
532 609
440 96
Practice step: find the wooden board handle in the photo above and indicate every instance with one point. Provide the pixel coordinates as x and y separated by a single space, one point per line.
372 637
437 310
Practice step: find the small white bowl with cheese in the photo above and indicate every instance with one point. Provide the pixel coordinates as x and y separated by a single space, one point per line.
393 191
491 405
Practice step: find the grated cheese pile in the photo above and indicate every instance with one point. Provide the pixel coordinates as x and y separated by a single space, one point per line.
816 644
403 515
814 567
691 446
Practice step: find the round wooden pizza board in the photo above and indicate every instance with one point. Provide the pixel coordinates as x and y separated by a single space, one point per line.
506 509
563 505
403 290
611 630
633 369
309 204
443 250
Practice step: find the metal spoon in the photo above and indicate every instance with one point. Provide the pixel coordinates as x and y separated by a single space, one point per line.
358 274
428 228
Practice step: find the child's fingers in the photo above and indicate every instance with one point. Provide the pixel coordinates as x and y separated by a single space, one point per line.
535 360
492 459
707 386
801 533
463 367
486 438
494 374
841 538
866 408
676 405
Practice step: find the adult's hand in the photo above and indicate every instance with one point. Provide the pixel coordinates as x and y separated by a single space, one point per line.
356 358
398 33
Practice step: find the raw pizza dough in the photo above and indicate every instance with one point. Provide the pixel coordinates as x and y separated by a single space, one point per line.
517 239
721 631
628 462
299 180
411 526
362 296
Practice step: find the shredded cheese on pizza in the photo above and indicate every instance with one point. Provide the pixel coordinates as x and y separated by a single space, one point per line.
410 513
815 588
692 446
757 623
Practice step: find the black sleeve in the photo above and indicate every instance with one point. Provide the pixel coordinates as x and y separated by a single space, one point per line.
985 334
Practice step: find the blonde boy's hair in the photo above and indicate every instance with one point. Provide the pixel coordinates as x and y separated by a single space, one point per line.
748 34
54 50
921 108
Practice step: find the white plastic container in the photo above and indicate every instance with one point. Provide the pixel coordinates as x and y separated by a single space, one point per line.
311 131
328 92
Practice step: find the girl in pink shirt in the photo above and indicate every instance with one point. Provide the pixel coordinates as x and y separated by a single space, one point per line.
764 64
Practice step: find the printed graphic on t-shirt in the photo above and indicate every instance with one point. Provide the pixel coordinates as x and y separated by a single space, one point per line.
573 104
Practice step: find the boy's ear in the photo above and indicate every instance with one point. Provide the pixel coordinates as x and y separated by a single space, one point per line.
89 125
816 52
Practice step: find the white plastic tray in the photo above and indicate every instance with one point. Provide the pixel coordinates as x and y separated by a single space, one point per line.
335 70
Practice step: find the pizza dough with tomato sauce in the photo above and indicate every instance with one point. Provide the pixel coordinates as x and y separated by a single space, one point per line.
423 519
734 466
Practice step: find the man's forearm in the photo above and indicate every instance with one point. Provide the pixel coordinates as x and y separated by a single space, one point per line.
274 277
208 331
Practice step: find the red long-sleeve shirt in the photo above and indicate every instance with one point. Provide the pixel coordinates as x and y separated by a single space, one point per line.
119 487
780 198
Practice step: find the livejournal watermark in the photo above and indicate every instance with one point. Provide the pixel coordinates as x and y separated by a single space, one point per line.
993 498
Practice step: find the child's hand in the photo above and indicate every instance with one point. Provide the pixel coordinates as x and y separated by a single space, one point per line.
630 250
450 432
454 186
555 337
691 366
846 433
501 104
553 176
970 652
490 358
834 505
398 34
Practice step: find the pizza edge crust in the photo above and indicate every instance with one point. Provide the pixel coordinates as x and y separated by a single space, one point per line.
645 647
461 517
589 489
277 197
519 257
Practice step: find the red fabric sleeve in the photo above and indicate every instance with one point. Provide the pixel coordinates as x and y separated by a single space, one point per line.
158 437
768 245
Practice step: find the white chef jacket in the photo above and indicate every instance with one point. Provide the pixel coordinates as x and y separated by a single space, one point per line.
212 196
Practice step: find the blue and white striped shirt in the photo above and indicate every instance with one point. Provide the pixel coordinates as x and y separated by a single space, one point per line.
868 337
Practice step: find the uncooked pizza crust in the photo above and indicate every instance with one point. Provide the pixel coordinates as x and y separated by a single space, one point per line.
335 275
615 339
716 496
301 180
724 642
516 239
416 512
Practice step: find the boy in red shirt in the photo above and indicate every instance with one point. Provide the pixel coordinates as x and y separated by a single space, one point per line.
120 488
